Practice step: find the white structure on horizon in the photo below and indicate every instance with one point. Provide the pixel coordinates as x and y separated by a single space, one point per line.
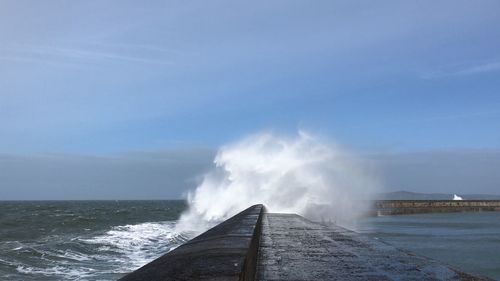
456 197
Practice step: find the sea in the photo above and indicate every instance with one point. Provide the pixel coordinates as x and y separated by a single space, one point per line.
84 240
104 240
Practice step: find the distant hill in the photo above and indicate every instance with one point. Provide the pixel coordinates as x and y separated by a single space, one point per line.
406 195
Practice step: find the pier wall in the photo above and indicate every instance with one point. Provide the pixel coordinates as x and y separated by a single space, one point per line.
226 252
401 207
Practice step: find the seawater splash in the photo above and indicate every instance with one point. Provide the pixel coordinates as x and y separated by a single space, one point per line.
98 257
133 244
304 175
456 197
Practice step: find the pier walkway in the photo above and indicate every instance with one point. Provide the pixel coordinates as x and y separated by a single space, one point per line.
294 248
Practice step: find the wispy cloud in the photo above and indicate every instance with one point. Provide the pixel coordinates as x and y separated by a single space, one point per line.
459 116
463 69
30 59
138 47
487 67
85 54
431 119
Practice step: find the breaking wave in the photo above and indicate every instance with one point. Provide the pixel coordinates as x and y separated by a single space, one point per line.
104 256
136 245
303 174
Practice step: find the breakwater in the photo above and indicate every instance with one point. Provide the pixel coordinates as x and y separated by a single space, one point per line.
227 251
402 207
256 245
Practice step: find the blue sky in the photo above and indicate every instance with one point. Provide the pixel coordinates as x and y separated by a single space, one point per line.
107 77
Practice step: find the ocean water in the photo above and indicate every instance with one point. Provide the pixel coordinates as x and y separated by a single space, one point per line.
84 240
466 241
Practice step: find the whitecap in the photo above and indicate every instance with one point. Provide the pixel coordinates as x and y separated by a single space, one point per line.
136 245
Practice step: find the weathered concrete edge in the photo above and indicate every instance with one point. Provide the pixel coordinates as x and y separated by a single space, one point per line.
250 267
228 251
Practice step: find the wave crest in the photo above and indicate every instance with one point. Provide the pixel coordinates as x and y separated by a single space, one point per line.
303 174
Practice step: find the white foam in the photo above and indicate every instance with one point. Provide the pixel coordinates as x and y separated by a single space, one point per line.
132 246
304 174
72 255
456 197
106 255
8 262
59 271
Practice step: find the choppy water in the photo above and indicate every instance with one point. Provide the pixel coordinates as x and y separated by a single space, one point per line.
84 240
467 241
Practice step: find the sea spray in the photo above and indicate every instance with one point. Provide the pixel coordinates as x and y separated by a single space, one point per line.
304 174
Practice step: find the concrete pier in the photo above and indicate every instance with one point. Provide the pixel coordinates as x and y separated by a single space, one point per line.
255 245
403 207
294 248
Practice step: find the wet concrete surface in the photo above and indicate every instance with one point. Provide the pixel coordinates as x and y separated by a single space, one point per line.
294 248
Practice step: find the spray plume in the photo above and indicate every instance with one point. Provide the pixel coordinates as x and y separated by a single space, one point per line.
302 175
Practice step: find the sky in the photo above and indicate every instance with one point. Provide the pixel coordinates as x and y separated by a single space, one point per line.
121 85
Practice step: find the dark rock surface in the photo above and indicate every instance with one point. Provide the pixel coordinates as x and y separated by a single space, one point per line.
226 252
293 248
